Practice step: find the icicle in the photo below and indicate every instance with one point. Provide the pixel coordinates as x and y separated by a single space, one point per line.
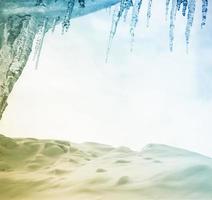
127 5
190 19
112 33
66 22
167 8
55 23
172 24
109 10
185 5
124 5
149 10
126 11
43 32
179 2
204 12
134 20
125 15
37 43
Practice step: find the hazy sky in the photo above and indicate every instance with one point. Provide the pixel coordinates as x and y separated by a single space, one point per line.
148 96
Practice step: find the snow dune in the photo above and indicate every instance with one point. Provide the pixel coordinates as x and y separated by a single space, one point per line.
32 169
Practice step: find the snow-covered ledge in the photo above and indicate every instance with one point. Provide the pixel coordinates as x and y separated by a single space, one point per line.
20 21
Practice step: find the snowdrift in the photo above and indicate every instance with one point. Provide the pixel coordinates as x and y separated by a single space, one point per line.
51 169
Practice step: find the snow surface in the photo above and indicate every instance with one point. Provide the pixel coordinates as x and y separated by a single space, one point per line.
51 169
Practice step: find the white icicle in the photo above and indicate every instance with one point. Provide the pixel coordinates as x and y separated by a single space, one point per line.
125 15
190 19
37 42
185 5
179 2
127 5
124 5
172 24
55 23
112 33
41 42
108 10
167 8
66 22
149 11
134 20
204 12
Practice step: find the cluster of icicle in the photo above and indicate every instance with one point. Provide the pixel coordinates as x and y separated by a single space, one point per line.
43 29
187 7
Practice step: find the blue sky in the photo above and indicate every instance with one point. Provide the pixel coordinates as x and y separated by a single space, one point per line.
148 96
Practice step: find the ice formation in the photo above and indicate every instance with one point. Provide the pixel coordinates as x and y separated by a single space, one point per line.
25 22
190 19
124 7
39 42
70 7
204 11
172 7
149 10
172 23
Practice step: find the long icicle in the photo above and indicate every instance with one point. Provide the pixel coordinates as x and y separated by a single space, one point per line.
185 5
41 42
37 42
179 2
167 8
134 20
129 4
204 12
124 5
112 33
172 24
56 20
66 21
149 12
190 19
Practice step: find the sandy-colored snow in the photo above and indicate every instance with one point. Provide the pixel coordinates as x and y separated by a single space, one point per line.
32 169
